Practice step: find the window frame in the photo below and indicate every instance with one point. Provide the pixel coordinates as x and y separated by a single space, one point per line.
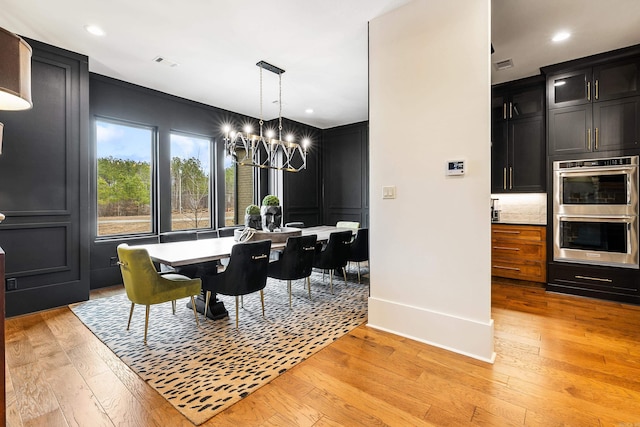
153 170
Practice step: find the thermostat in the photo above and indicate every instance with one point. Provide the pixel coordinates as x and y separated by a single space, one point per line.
455 167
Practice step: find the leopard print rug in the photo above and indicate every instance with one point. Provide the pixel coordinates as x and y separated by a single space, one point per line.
203 371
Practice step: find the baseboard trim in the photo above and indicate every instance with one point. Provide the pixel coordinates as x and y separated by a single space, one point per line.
459 335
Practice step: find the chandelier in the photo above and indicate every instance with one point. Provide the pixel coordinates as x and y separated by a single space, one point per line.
264 150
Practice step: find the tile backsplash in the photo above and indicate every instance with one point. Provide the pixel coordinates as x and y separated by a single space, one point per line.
522 208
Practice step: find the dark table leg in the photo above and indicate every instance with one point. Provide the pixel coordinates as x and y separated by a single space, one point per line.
216 307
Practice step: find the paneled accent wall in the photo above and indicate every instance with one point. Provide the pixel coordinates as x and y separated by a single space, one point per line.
346 174
44 184
302 190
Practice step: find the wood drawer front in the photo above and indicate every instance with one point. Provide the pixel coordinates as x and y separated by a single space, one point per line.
533 271
518 232
517 250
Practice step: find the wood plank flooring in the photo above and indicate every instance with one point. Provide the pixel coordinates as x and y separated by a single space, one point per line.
561 360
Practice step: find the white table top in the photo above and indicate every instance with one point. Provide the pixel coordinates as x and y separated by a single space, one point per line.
195 251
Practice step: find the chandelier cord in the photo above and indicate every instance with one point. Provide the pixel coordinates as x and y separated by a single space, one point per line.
280 105
261 121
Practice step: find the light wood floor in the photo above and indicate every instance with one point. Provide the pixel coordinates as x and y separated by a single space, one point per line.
561 360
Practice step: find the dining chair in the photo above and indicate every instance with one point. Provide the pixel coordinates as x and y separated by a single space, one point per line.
359 249
144 285
334 255
348 224
295 262
245 274
228 231
295 224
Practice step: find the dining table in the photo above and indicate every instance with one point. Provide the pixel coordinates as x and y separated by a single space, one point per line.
176 254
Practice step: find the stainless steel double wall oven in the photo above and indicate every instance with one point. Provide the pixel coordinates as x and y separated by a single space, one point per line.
595 211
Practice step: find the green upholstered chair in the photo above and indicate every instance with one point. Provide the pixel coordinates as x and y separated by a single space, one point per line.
144 285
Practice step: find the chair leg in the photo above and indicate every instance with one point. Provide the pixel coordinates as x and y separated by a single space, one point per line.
237 312
173 306
289 288
358 271
309 286
262 301
344 274
207 297
130 315
195 313
146 323
330 280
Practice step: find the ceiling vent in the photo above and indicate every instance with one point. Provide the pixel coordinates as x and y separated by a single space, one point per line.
164 61
503 65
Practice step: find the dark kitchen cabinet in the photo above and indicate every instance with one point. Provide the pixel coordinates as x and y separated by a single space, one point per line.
607 81
594 107
518 137
610 283
598 127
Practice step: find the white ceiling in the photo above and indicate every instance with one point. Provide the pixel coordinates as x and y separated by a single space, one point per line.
322 45
522 30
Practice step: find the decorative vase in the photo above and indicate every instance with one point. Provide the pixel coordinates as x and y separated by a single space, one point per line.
253 221
271 217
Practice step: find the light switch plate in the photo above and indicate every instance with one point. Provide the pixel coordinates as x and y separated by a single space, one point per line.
389 192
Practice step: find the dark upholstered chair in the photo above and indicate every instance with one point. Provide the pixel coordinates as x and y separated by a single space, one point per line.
359 250
334 255
296 261
245 274
144 285
228 231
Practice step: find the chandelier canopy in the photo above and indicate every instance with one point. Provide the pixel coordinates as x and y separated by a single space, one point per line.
264 150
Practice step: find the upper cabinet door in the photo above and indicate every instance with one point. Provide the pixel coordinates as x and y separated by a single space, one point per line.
573 88
526 102
616 80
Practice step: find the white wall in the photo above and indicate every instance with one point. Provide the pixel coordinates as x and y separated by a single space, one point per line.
429 103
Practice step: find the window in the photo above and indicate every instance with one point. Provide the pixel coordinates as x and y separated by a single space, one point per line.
190 182
124 154
238 191
230 217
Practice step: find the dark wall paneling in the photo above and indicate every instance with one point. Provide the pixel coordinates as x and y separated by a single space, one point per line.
346 174
43 171
302 190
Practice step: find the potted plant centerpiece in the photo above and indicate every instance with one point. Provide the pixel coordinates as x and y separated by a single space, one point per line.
252 217
271 213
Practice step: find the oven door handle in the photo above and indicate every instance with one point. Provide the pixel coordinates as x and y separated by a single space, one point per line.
597 218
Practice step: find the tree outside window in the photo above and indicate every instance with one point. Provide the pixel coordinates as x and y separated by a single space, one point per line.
123 178
190 179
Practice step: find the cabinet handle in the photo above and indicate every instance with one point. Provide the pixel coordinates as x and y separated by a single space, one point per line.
504 248
504 178
504 110
510 178
588 91
589 139
596 88
506 231
506 268
511 110
596 135
594 278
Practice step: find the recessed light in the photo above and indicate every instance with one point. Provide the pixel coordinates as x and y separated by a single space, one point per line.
95 30
309 110
561 36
